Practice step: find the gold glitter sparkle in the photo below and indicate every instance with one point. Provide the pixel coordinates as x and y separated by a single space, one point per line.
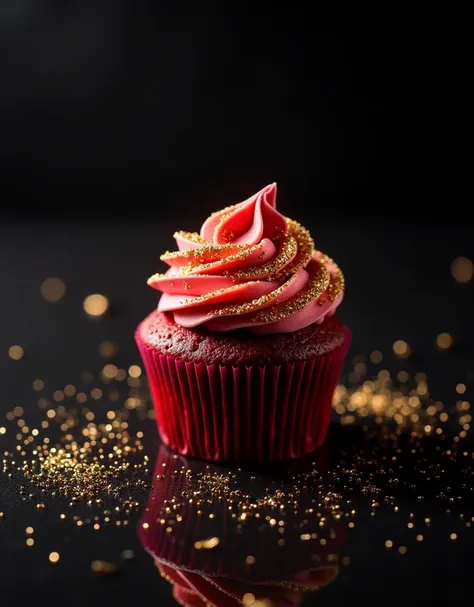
96 304
103 567
16 352
401 348
208 544
53 289
462 269
444 341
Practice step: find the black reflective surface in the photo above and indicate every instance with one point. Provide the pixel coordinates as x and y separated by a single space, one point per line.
385 475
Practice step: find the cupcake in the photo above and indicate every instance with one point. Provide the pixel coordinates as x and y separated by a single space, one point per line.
216 533
244 352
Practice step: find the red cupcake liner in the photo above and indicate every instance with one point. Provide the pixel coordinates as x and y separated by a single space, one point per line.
194 590
242 413
301 564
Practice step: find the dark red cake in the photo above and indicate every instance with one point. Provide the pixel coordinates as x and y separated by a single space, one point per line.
241 347
244 352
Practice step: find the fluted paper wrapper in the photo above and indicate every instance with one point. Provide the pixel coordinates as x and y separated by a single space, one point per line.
303 562
242 413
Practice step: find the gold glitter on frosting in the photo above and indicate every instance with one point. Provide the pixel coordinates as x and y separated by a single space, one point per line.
316 287
288 249
336 286
243 253
305 247
203 298
191 236
253 305
294 250
227 235
205 253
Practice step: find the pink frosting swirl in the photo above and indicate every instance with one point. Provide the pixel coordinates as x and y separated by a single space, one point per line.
250 267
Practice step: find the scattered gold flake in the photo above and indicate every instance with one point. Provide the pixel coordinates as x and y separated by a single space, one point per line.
248 599
53 289
69 390
30 542
462 269
453 536
134 371
250 560
96 304
103 567
15 352
90 462
109 371
2 515
86 463
403 376
29 531
401 348
54 557
3 430
208 544
461 388
108 349
376 357
38 385
444 341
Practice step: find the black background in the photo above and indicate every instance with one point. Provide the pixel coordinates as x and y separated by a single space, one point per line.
126 108
162 112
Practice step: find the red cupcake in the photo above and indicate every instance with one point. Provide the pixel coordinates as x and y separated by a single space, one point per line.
244 352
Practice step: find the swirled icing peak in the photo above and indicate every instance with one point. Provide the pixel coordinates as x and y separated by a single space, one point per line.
249 267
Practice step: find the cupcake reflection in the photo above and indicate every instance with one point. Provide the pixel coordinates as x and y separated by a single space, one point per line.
224 536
